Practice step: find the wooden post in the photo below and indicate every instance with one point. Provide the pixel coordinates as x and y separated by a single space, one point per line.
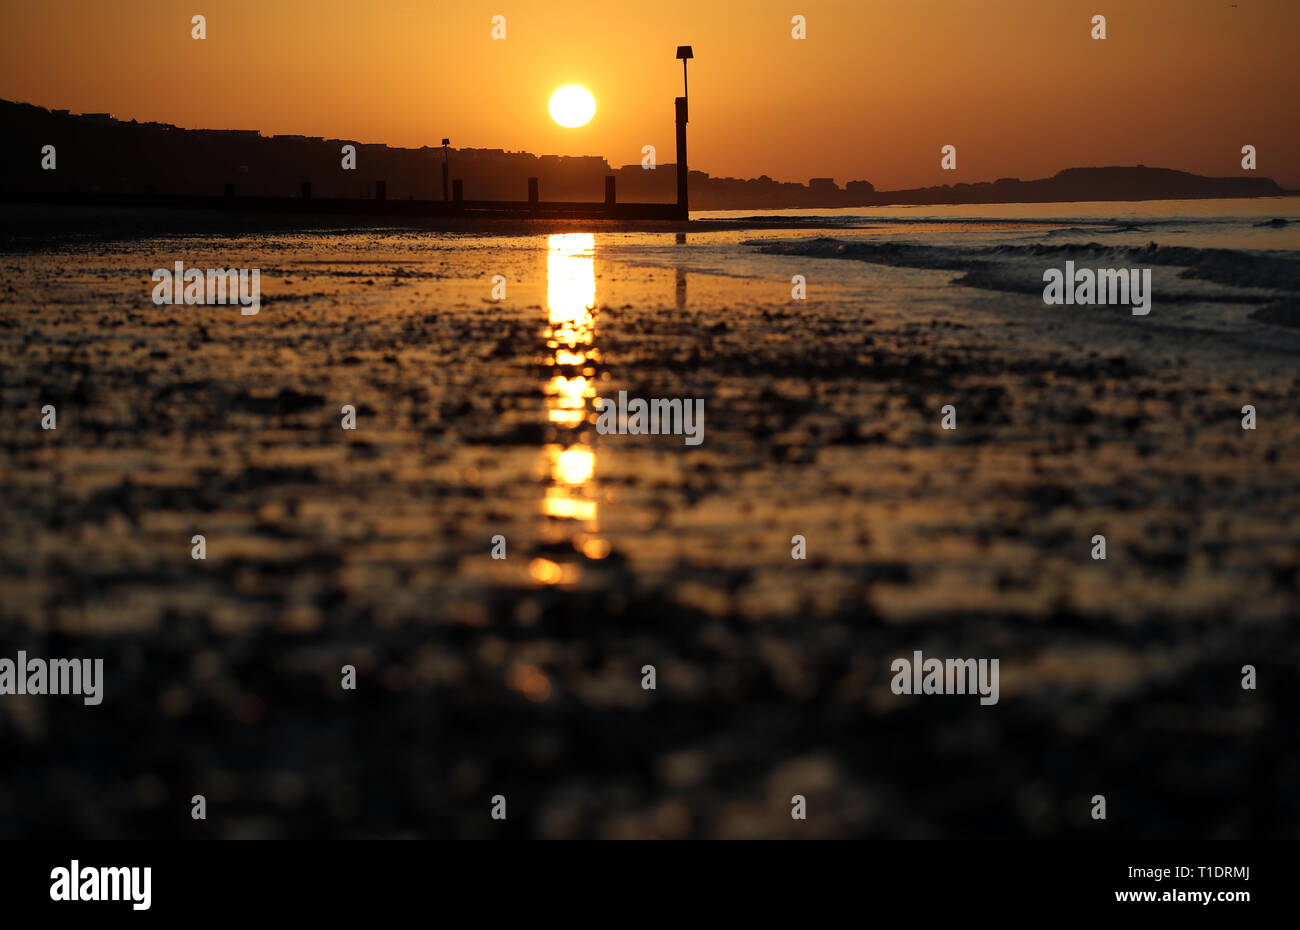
532 194
381 190
457 190
230 192
306 190
609 189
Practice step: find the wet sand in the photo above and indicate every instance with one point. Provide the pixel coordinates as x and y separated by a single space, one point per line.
521 676
38 227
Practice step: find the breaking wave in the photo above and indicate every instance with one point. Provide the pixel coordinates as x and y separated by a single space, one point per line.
1251 276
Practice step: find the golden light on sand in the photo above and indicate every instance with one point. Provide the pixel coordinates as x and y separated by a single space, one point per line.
530 681
571 470
567 399
564 505
575 465
572 106
546 572
570 335
571 286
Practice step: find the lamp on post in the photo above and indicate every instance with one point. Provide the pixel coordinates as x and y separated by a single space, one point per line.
685 54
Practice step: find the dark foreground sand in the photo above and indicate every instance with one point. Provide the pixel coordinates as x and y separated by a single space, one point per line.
522 677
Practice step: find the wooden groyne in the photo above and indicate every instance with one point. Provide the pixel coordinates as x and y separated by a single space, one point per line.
533 208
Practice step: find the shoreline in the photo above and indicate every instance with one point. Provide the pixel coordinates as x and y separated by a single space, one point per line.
32 225
27 224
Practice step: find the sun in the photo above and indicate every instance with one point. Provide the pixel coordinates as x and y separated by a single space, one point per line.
572 106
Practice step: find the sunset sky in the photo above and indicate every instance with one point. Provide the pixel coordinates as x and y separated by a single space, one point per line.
873 92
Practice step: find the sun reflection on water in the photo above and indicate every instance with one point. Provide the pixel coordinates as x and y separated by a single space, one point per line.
570 392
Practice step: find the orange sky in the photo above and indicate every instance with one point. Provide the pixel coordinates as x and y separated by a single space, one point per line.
873 92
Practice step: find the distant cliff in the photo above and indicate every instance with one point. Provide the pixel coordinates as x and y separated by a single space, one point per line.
96 153
1072 184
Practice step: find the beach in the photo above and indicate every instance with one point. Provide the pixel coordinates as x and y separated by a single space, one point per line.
522 676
